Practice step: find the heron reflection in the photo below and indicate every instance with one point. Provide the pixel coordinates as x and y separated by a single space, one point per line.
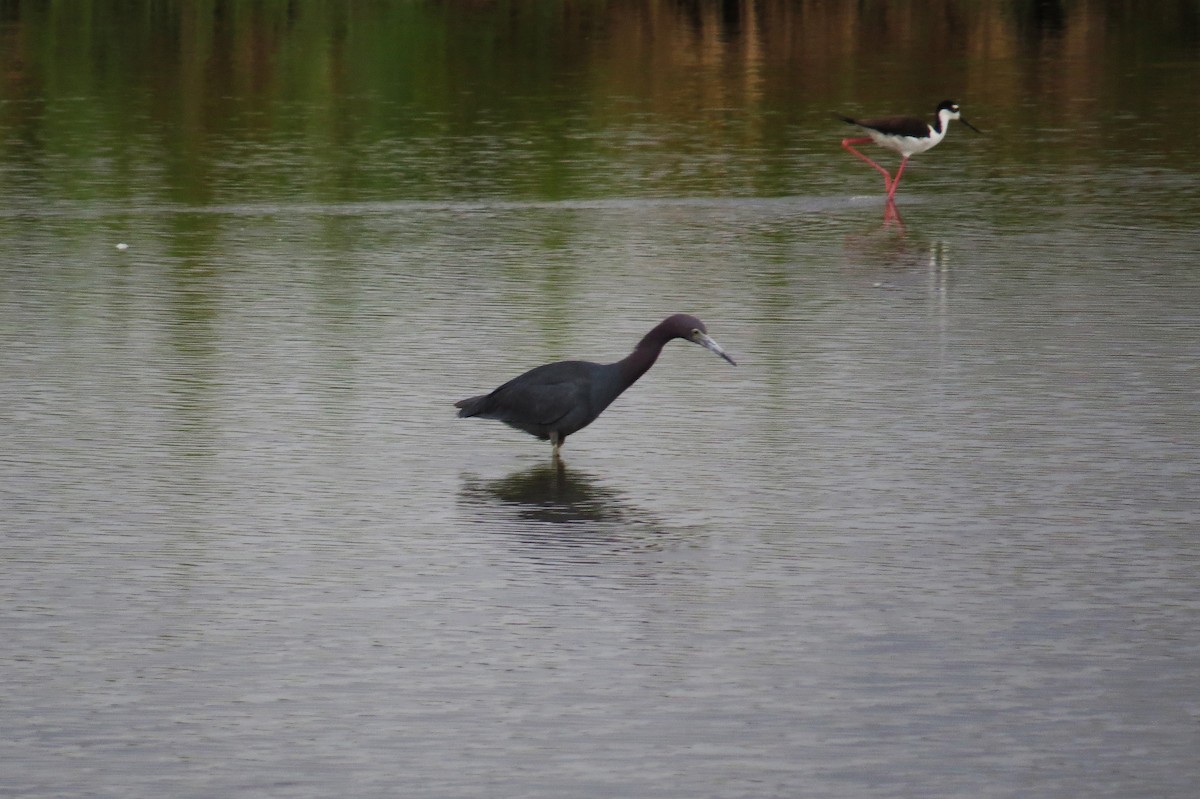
555 507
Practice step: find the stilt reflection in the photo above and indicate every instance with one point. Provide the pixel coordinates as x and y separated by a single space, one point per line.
890 258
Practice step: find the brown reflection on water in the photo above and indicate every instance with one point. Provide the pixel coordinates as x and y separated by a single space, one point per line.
466 97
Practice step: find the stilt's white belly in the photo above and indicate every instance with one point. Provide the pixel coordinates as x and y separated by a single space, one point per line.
905 145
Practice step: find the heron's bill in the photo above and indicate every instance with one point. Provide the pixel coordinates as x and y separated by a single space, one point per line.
708 344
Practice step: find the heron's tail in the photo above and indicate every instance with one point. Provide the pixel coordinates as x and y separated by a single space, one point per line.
471 406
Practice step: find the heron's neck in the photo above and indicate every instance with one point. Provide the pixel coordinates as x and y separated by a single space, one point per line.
635 364
638 362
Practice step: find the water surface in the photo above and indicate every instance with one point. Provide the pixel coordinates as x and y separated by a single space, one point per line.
934 536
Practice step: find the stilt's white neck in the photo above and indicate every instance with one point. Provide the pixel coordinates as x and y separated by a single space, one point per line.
944 117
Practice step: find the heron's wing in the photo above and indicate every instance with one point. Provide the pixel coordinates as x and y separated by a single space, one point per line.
541 396
533 404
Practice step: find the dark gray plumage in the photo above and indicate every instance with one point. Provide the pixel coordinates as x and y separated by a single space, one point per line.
559 399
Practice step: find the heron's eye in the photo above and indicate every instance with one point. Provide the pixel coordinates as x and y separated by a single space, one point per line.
695 333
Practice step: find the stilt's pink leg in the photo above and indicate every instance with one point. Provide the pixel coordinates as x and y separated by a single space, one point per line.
892 214
888 185
896 180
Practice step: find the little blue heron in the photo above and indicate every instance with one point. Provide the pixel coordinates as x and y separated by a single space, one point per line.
904 135
558 399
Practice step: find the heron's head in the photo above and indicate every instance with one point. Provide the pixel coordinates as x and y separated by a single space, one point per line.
690 328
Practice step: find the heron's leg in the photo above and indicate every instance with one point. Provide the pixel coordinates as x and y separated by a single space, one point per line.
847 145
557 442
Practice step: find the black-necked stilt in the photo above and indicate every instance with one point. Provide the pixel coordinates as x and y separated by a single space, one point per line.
904 135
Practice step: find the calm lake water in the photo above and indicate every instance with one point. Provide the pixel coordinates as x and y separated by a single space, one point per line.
936 535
